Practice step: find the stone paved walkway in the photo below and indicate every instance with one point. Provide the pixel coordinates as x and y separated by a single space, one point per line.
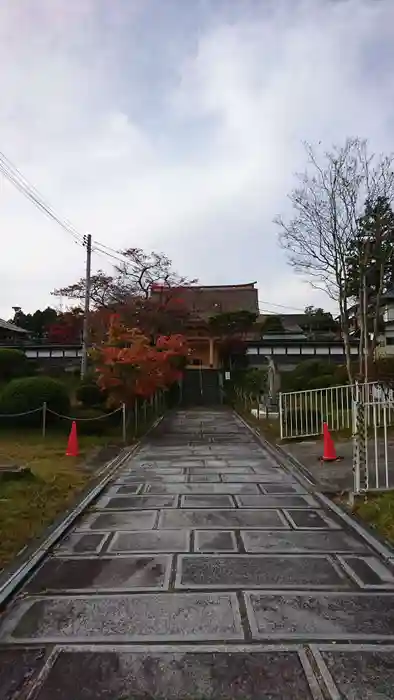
205 570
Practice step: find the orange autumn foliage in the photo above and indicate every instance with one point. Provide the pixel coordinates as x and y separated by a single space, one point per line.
128 365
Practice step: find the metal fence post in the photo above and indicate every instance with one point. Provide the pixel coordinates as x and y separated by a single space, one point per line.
360 458
364 463
356 449
44 419
281 415
124 423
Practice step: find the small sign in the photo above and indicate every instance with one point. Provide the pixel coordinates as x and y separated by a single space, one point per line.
227 376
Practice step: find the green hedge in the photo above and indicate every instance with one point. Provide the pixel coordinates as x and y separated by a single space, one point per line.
90 395
110 425
21 395
13 363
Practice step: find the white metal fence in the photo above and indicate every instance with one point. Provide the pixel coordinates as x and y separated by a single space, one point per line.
302 413
373 448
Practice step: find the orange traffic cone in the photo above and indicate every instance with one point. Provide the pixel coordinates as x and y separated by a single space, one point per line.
72 447
329 451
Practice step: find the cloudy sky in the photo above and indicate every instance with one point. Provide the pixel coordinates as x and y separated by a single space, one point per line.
176 125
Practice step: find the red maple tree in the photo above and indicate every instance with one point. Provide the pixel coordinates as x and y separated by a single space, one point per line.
129 365
67 329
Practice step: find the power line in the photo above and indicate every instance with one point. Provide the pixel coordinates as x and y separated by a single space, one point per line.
113 250
282 306
20 182
13 175
98 249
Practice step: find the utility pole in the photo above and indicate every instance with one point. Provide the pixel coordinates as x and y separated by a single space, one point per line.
87 241
366 337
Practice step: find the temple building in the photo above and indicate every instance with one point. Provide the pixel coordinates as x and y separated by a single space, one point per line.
203 303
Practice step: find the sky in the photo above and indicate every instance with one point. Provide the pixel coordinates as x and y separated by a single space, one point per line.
177 126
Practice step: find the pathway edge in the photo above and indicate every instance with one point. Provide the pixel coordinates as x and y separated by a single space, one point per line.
299 470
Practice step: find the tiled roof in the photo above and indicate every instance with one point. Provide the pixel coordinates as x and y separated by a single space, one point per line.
211 300
11 327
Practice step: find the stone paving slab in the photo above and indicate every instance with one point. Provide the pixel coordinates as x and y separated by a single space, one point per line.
359 672
298 542
325 616
17 668
276 501
206 476
263 461
144 472
128 618
135 487
368 571
215 541
220 470
136 502
262 477
210 501
221 519
100 574
112 674
82 543
151 541
135 479
311 520
259 571
281 488
202 488
122 520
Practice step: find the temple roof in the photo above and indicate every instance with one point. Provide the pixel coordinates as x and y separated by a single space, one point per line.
214 299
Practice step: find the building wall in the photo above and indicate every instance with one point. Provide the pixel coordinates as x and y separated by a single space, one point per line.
204 353
294 354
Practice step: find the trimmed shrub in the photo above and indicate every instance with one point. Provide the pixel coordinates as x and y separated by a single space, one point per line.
322 381
13 363
102 426
90 395
30 393
313 374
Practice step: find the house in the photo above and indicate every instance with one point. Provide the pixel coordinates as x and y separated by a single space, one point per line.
10 333
385 347
288 339
385 339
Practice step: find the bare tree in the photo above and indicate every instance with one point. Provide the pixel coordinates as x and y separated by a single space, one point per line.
133 279
103 290
142 270
327 206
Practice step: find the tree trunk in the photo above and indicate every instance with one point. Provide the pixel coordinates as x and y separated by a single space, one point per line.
374 342
346 339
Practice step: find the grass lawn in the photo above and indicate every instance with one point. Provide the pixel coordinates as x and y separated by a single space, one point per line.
28 505
378 512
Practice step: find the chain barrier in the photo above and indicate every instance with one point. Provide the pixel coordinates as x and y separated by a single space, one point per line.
155 406
104 415
17 415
